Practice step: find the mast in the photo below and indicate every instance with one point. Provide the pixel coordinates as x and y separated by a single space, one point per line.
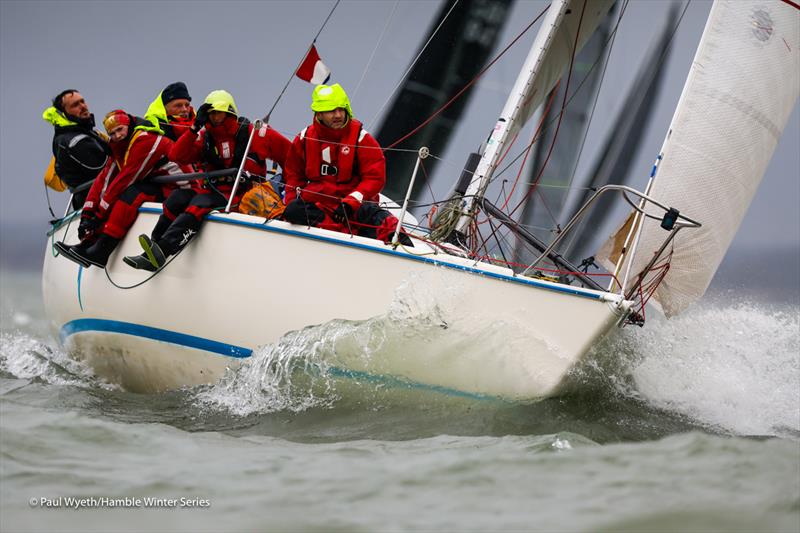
550 53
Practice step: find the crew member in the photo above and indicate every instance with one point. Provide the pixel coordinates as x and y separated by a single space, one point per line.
80 151
139 151
335 172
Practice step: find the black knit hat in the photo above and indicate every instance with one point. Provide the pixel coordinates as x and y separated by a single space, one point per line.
173 91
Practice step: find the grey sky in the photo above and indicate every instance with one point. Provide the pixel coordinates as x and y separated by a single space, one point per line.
121 54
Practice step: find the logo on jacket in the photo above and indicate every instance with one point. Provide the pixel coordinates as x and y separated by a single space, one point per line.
345 150
226 150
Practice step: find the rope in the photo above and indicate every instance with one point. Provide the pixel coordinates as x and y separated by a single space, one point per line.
561 113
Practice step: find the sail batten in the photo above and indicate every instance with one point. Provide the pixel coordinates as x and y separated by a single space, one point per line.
742 86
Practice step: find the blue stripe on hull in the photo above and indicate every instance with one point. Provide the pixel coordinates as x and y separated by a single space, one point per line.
157 334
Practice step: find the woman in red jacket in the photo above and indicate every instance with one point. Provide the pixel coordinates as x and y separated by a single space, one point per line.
139 151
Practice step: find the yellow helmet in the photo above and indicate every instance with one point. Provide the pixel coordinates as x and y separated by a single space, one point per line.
330 97
222 101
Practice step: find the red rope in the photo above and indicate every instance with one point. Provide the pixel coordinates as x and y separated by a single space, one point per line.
530 145
560 115
468 85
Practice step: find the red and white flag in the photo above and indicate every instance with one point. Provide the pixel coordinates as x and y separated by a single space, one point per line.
313 70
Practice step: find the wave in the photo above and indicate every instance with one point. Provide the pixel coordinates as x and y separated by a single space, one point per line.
733 367
25 357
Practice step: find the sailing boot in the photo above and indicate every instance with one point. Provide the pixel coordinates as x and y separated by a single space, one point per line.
160 227
98 253
139 262
180 233
155 256
66 251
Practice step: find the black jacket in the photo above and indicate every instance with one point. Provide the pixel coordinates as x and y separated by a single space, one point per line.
81 153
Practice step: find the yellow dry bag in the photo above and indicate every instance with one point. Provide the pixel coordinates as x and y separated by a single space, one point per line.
262 201
51 179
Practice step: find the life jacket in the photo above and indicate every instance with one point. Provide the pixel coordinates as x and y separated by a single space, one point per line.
211 147
346 167
137 126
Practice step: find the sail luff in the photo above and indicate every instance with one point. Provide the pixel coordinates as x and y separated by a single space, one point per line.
551 51
741 89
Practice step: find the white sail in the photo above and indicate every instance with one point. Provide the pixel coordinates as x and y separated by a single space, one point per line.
741 89
549 55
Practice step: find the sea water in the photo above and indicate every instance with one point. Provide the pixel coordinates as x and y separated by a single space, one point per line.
689 424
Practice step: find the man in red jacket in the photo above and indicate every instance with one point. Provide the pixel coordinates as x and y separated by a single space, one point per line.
335 172
217 140
139 151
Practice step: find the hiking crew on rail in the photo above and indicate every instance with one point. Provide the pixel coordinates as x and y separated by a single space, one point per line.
334 171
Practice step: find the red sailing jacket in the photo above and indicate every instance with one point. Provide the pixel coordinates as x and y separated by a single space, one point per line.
227 137
142 154
329 165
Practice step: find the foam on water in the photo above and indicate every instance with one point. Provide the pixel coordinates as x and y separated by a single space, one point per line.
736 367
25 357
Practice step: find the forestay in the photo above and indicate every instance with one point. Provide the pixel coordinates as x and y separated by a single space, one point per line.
741 89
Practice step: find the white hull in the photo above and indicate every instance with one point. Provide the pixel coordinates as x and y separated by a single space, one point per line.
206 310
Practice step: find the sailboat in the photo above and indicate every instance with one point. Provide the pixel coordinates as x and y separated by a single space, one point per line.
155 332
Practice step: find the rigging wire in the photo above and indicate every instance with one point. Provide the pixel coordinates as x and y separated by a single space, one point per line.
536 135
558 125
414 62
561 113
569 243
377 45
470 83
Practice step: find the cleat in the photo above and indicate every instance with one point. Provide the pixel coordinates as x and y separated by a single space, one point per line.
153 251
139 262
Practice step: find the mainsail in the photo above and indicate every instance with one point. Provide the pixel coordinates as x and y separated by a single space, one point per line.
565 29
742 86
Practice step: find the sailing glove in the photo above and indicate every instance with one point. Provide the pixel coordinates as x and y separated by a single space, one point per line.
88 226
342 214
201 117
